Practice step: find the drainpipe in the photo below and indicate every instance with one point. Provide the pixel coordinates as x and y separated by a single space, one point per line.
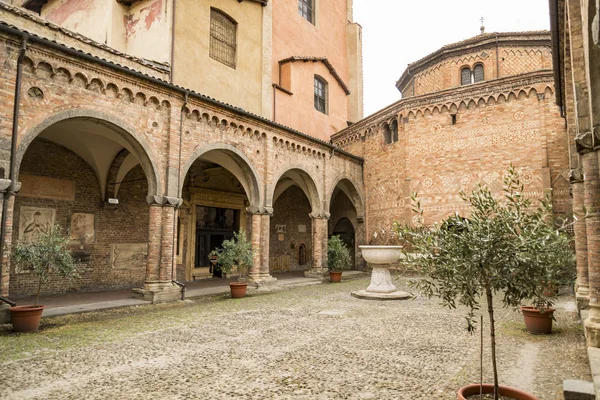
13 148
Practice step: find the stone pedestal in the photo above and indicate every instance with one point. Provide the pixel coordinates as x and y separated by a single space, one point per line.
382 286
158 292
582 296
592 326
381 280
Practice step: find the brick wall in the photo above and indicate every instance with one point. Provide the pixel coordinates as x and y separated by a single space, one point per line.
126 224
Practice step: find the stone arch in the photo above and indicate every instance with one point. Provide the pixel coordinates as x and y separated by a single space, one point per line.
351 188
235 161
137 143
295 174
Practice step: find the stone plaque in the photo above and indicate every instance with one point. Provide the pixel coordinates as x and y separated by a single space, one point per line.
128 256
280 228
42 187
34 221
281 237
302 228
82 228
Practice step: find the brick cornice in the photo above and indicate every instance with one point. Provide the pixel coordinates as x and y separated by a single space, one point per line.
448 97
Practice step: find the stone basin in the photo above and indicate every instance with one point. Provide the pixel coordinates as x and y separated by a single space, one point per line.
381 254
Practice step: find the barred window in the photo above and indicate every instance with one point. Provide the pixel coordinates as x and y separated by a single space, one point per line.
465 76
223 37
478 73
306 9
320 95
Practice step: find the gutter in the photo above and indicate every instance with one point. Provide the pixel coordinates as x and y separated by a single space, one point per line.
10 191
178 89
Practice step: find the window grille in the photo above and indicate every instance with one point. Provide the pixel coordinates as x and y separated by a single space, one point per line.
320 95
223 38
465 76
478 73
305 9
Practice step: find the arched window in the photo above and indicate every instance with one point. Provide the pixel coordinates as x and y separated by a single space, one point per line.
387 134
320 94
394 129
306 8
223 37
478 73
465 76
302 255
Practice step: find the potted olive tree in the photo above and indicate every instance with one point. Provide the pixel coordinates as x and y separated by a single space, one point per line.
338 258
505 248
235 255
48 256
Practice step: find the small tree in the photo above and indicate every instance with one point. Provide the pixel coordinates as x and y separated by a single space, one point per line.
236 254
49 255
505 248
338 255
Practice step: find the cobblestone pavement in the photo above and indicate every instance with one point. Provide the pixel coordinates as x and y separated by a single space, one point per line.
314 342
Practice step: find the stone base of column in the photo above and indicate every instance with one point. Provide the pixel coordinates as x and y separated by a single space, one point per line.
320 273
262 279
158 292
4 314
583 298
592 326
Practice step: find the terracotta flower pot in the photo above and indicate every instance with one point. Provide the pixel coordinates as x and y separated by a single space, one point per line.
507 391
238 289
335 276
537 322
26 318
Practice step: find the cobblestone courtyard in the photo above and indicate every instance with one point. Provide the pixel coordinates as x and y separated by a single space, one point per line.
313 342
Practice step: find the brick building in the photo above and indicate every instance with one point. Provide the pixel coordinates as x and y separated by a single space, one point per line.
147 176
467 111
576 58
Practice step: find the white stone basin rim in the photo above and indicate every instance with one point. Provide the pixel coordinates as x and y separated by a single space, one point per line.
381 254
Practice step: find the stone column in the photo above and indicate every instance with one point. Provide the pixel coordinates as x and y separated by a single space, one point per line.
582 290
158 286
8 233
261 223
319 245
591 187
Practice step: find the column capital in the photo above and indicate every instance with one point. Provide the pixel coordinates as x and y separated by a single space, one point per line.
164 201
576 176
583 142
319 215
260 210
5 186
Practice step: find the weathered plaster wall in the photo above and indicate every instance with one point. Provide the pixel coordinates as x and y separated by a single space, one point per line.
148 29
240 86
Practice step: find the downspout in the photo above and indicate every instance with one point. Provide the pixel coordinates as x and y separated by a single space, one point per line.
274 103
171 72
13 148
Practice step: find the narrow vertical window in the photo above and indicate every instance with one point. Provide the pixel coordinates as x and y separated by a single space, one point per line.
302 255
387 134
223 38
306 9
478 73
394 129
320 95
465 76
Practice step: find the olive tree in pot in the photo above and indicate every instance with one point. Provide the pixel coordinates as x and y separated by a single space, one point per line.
338 258
235 255
504 248
48 256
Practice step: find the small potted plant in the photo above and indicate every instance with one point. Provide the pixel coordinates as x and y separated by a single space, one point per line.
48 256
236 254
505 247
338 258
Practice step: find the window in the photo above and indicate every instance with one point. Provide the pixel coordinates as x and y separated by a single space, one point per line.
320 95
223 38
306 9
478 73
465 76
453 119
390 132
302 255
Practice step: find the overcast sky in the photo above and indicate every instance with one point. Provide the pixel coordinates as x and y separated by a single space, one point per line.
398 32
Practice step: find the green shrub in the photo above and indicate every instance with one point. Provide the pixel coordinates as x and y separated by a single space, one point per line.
338 255
236 254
